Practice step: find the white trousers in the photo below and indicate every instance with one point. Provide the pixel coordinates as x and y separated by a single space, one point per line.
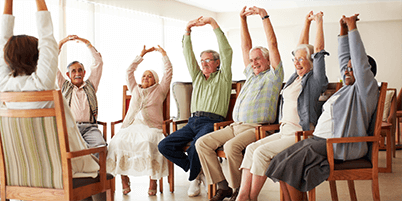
260 153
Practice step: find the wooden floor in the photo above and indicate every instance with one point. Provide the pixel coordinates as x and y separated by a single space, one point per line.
390 187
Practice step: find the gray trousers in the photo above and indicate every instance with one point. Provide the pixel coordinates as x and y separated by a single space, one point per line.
91 134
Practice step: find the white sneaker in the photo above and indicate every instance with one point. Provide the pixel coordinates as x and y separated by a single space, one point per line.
194 189
204 181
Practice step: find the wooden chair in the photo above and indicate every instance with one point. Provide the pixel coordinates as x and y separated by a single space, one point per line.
388 129
35 157
166 129
398 118
365 168
264 130
185 105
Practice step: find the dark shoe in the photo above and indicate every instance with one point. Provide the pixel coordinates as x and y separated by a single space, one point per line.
234 195
222 194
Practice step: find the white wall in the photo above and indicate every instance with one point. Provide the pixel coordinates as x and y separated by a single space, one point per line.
380 27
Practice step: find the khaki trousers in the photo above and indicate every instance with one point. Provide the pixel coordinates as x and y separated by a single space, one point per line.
234 139
259 154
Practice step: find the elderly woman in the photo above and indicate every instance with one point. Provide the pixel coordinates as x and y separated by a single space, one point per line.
134 149
304 165
30 64
298 109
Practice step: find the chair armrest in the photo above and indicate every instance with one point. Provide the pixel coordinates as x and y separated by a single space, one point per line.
222 124
104 126
112 127
331 141
102 159
305 134
262 129
83 152
175 123
166 127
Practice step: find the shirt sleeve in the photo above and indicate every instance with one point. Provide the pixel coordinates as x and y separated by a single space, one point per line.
361 68
60 79
189 56
48 50
167 74
6 31
319 73
225 54
96 68
343 54
130 73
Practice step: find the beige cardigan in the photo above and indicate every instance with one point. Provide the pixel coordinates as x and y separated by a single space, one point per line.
149 101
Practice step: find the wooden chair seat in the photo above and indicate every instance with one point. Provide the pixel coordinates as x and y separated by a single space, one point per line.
80 182
353 164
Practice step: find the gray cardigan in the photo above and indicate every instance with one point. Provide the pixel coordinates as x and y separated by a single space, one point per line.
313 84
354 109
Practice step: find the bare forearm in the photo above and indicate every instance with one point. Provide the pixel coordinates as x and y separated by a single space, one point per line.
41 5
246 43
8 7
319 39
304 36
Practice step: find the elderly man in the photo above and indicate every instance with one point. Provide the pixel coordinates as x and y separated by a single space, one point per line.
81 95
257 103
209 101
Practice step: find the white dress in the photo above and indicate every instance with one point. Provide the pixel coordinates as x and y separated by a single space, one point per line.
134 151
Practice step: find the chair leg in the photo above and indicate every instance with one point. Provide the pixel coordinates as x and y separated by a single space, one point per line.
161 185
334 193
211 190
171 176
311 195
375 189
352 191
282 197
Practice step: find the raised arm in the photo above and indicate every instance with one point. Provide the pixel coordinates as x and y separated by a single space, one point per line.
47 46
225 51
6 31
8 7
274 56
319 38
96 66
41 5
131 82
168 70
304 36
246 43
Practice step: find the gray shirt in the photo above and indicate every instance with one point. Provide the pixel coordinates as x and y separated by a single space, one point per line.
354 108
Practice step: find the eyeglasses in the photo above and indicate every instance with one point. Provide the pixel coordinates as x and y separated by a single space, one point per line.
349 69
301 59
207 60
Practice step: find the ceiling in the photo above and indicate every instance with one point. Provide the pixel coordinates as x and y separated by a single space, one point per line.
236 5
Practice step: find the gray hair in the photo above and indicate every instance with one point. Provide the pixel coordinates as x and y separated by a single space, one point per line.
264 51
309 50
74 62
215 55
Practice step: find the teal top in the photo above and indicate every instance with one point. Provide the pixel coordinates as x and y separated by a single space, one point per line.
210 95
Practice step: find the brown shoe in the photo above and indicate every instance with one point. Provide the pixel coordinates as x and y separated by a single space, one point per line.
222 194
234 195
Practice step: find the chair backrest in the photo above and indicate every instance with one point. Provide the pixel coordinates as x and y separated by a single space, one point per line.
33 141
399 100
182 94
127 98
389 114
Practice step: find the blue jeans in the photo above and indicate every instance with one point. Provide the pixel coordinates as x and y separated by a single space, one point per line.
172 146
